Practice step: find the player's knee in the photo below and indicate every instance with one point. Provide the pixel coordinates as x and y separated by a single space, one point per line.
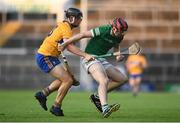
69 80
66 79
104 81
123 79
68 84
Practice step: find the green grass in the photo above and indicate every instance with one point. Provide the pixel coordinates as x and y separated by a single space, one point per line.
22 106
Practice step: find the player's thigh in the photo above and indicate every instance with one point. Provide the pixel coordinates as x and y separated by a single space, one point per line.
132 81
138 80
60 73
98 72
114 74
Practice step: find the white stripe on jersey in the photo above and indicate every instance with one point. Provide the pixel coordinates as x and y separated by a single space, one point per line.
97 32
92 32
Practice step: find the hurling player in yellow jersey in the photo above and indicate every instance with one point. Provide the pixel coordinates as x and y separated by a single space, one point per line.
135 65
47 60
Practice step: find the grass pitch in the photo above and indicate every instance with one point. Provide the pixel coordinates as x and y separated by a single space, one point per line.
21 106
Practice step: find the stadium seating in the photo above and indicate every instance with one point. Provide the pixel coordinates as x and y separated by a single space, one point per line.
153 23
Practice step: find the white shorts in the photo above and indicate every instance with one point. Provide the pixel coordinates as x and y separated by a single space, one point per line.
87 64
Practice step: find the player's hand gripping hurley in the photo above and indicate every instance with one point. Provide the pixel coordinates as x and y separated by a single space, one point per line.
134 49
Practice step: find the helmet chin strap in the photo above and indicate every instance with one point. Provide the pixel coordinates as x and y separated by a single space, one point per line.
72 22
74 25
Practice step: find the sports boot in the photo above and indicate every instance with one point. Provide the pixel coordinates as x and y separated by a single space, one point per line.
41 99
96 101
57 111
110 109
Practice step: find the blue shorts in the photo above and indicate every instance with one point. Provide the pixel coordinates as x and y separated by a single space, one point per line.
46 63
135 76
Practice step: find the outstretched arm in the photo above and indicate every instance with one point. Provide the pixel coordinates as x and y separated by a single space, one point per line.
75 38
79 36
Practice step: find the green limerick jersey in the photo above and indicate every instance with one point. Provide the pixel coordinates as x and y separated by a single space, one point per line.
102 40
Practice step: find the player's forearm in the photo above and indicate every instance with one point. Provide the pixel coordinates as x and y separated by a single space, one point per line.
75 50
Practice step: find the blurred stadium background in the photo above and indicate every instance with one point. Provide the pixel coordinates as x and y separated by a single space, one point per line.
155 24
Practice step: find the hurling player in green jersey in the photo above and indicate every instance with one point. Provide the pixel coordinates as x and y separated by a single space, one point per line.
102 39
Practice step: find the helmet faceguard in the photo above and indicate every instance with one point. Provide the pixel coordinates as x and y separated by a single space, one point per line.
120 24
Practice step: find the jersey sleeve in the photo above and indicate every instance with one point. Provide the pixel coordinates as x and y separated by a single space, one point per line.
98 31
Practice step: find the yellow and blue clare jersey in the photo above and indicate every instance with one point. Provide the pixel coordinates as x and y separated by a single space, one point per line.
136 64
49 47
